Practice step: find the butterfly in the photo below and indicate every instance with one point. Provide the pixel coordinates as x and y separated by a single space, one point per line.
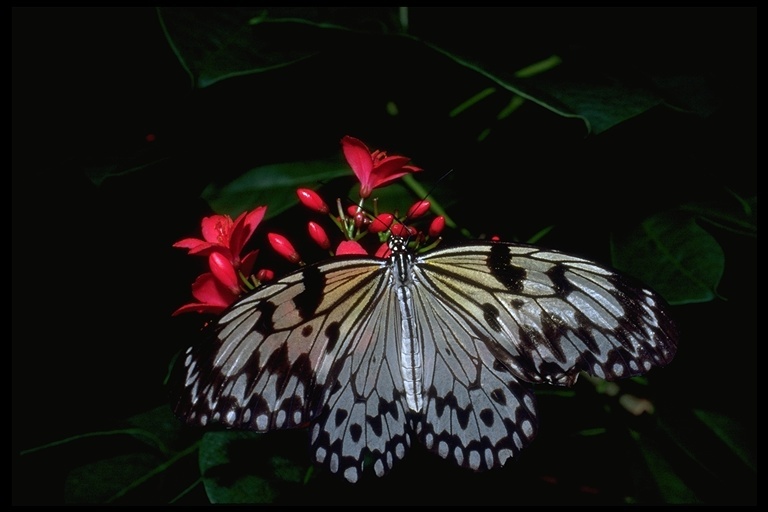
442 348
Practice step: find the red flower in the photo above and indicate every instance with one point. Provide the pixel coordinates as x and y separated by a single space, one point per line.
223 241
222 235
213 296
374 169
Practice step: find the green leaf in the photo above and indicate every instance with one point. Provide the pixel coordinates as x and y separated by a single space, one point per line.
738 215
273 185
160 425
565 90
216 43
101 481
249 467
731 433
713 452
672 254
661 475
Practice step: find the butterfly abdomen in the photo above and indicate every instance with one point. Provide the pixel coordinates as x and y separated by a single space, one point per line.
411 363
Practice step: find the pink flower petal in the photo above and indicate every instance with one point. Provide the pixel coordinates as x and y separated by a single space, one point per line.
350 247
189 243
244 227
358 157
247 262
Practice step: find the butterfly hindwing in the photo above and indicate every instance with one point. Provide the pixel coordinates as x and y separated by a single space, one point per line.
362 410
476 412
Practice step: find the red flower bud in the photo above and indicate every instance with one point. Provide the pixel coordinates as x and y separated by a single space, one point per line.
418 209
437 225
264 275
402 230
283 247
223 271
312 200
360 220
318 235
381 223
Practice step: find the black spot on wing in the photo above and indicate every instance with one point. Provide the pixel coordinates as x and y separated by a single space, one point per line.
310 297
486 416
498 396
265 325
341 415
450 401
277 364
560 283
499 264
356 431
491 315
333 333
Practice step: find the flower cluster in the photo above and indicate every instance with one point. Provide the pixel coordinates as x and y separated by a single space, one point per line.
223 243
224 240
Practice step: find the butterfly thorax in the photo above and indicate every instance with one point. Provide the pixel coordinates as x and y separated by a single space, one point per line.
411 365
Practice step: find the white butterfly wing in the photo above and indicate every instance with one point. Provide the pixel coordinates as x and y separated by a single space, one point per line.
476 412
270 355
362 410
549 315
323 346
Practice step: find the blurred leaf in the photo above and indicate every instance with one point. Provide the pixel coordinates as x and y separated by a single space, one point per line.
160 422
101 481
661 475
123 164
738 216
595 99
215 43
711 452
273 185
731 433
249 467
672 254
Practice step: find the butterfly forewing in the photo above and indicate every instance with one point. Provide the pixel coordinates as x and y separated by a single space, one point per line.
443 348
553 314
269 354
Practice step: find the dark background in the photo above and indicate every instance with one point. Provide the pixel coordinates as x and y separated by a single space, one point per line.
95 278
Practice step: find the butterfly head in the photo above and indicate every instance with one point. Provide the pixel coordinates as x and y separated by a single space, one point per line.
398 244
